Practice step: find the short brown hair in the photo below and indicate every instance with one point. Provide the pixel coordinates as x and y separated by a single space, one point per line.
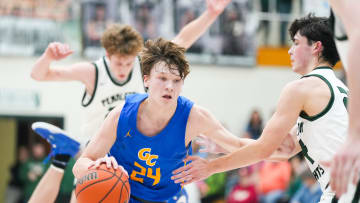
161 50
121 39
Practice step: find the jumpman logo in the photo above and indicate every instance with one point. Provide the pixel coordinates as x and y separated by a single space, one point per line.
128 134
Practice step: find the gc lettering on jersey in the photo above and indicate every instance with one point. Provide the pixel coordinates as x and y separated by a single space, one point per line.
144 154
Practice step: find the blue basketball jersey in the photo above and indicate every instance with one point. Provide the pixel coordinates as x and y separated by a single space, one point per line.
151 160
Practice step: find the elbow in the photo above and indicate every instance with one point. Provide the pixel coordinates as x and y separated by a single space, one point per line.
36 76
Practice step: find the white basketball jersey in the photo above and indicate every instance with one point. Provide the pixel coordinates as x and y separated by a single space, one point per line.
320 136
107 94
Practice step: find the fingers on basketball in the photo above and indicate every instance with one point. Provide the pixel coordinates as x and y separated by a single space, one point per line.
103 185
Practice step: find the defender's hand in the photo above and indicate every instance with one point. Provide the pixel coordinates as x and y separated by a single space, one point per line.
197 170
58 51
216 7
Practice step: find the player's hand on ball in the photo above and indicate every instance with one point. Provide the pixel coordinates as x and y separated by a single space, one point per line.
110 162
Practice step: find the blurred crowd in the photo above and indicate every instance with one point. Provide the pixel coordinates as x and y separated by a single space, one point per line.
27 172
50 9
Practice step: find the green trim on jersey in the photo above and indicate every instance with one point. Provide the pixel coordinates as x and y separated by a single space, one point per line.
113 79
95 87
322 67
304 115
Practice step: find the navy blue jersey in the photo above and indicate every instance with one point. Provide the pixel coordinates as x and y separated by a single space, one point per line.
151 160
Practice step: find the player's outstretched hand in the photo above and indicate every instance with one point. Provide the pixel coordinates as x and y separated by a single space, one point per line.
58 51
110 161
195 171
217 6
345 166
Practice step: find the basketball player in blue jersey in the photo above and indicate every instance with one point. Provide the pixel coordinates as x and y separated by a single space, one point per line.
107 81
345 165
316 103
151 133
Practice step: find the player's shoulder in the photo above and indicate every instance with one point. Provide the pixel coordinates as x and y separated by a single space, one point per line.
199 114
302 86
136 97
115 113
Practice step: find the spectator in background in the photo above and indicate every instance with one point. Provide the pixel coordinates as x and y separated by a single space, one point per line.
298 166
234 35
274 178
32 170
310 192
188 16
15 186
96 26
244 191
255 126
145 22
265 24
283 7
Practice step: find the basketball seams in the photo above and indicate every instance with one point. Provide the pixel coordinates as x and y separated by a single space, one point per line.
116 176
125 183
111 189
93 184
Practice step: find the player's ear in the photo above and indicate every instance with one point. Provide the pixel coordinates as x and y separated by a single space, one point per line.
318 47
146 81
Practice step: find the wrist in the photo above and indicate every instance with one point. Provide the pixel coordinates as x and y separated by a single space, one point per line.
212 167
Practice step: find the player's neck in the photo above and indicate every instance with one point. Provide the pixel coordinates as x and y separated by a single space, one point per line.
156 111
316 65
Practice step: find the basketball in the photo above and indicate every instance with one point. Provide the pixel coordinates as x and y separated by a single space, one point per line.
103 185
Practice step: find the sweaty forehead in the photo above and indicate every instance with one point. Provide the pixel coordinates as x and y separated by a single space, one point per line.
162 67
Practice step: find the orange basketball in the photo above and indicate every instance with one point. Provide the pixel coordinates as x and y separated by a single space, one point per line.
103 185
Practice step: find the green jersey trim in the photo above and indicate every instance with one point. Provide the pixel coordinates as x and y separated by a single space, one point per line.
95 88
304 115
322 67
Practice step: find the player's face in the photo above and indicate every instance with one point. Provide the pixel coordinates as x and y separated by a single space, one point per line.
164 84
300 54
121 65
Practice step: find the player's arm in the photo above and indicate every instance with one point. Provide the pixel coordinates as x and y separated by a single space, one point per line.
210 128
100 145
192 31
41 70
288 148
202 122
290 104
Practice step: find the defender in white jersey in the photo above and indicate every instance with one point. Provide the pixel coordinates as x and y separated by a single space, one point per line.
108 93
106 84
316 103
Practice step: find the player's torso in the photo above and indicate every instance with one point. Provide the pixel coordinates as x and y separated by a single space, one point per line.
322 134
107 94
151 160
